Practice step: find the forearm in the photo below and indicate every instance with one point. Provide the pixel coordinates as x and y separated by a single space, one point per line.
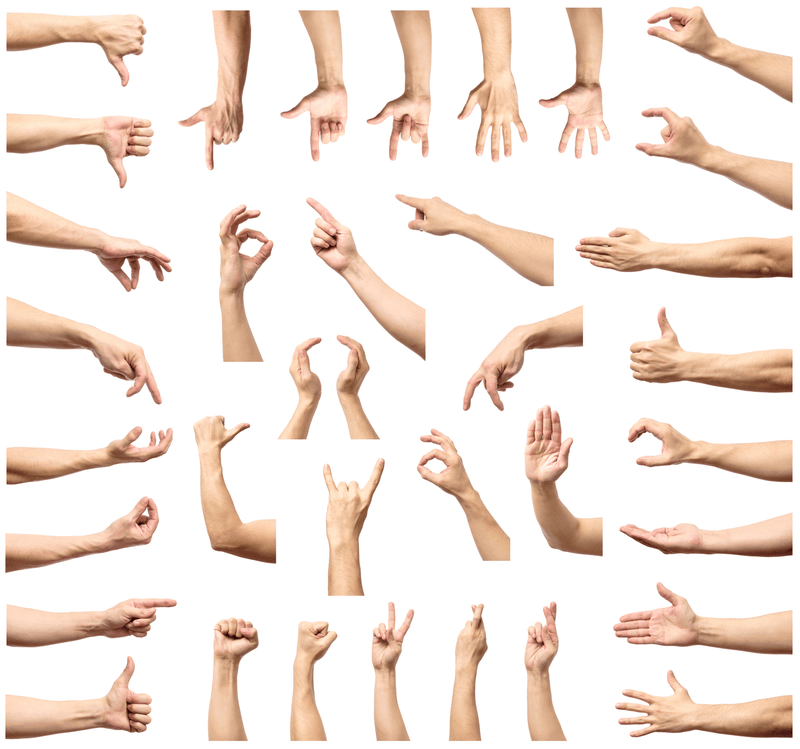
587 29
771 179
530 255
398 316
305 722
770 70
238 342
27 717
232 34
357 422
769 538
555 332
27 223
771 717
29 628
222 520
33 30
344 568
560 527
761 371
25 552
771 633
492 542
543 722
464 723
494 25
325 32
414 29
24 464
389 725
300 423
224 715
28 133
770 461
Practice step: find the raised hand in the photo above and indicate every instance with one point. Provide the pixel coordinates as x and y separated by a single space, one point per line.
453 479
123 709
125 136
471 644
332 241
497 98
584 105
236 269
675 625
546 456
682 140
684 538
313 640
387 642
662 360
410 117
137 527
542 644
690 30
210 432
307 383
505 360
327 109
348 505
115 251
120 36
675 448
434 216
624 250
234 639
125 361
350 380
132 617
671 714
124 451
223 121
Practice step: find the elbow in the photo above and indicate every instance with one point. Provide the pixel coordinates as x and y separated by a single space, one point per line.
222 541
555 542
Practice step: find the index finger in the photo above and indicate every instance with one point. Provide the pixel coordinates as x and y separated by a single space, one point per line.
310 343
664 112
477 614
149 603
321 210
491 387
209 147
227 222
375 478
662 15
326 472
406 623
152 511
473 383
417 203
390 619
353 345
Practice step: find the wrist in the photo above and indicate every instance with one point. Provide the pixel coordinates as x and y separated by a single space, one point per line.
343 543
497 70
348 399
711 158
355 270
539 678
418 83
466 669
721 51
303 667
307 401
229 296
468 498
210 452
706 632
329 74
698 452
469 225
104 541
103 457
587 73
386 675
93 713
95 623
226 665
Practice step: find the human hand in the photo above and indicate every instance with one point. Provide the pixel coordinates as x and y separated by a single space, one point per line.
675 625
307 383
125 361
332 241
505 360
211 434
234 639
471 644
675 448
124 451
114 251
313 641
672 714
662 360
684 538
546 456
497 98
120 36
132 617
387 642
236 269
224 120
434 216
542 644
136 528
624 250
690 30
327 109
682 140
453 479
124 136
348 505
410 116
349 381
123 709
584 103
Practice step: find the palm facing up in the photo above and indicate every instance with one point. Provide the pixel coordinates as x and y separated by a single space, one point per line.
674 625
683 538
546 456
387 642
584 105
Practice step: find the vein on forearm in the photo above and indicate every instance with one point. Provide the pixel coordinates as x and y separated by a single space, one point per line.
232 36
494 25
344 569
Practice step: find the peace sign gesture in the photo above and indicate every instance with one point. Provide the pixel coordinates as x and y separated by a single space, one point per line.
387 642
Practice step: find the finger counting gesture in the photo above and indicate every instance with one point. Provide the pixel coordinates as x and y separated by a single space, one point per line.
387 641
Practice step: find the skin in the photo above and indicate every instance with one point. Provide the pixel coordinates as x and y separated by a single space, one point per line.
30 224
236 270
255 540
507 358
233 639
546 459
334 244
770 461
387 646
496 94
224 119
491 541
529 254
309 390
692 31
313 641
584 99
348 385
117 36
327 103
471 646
348 505
540 649
663 360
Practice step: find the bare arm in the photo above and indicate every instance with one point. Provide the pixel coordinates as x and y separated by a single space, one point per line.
389 724
344 568
414 30
232 36
491 540
543 723
464 722
224 714
358 425
494 25
771 717
587 30
560 527
24 464
33 628
325 32
27 717
305 722
769 461
770 633
29 133
771 179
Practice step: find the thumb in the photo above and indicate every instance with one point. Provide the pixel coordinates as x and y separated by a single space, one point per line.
238 428
193 120
650 149
139 508
556 101
119 169
428 475
674 683
661 33
417 224
651 461
566 446
381 116
297 110
125 677
131 436
119 66
663 323
668 595
472 100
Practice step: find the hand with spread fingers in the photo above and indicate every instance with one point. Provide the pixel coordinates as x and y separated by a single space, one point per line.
675 625
348 385
309 390
124 451
546 456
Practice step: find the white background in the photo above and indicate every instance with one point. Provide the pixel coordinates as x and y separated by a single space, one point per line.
416 549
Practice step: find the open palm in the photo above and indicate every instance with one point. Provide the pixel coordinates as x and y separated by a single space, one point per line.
674 625
546 456
585 112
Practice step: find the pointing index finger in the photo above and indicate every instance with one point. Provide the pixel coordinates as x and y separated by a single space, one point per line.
663 112
321 210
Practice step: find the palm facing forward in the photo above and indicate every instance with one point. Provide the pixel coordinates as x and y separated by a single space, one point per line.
546 456
387 642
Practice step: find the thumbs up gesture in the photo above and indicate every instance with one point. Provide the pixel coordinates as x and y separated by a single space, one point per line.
661 360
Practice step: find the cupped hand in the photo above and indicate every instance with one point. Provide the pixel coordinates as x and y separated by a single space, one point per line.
350 380
682 139
125 361
223 121
210 432
123 709
542 644
684 538
471 644
662 360
116 250
236 269
307 383
124 451
675 625
675 448
410 117
434 216
348 504
313 640
387 642
453 479
125 136
546 456
625 250
137 527
497 99
505 360
690 30
671 714
584 103
120 36
133 617
234 639
327 109
332 241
